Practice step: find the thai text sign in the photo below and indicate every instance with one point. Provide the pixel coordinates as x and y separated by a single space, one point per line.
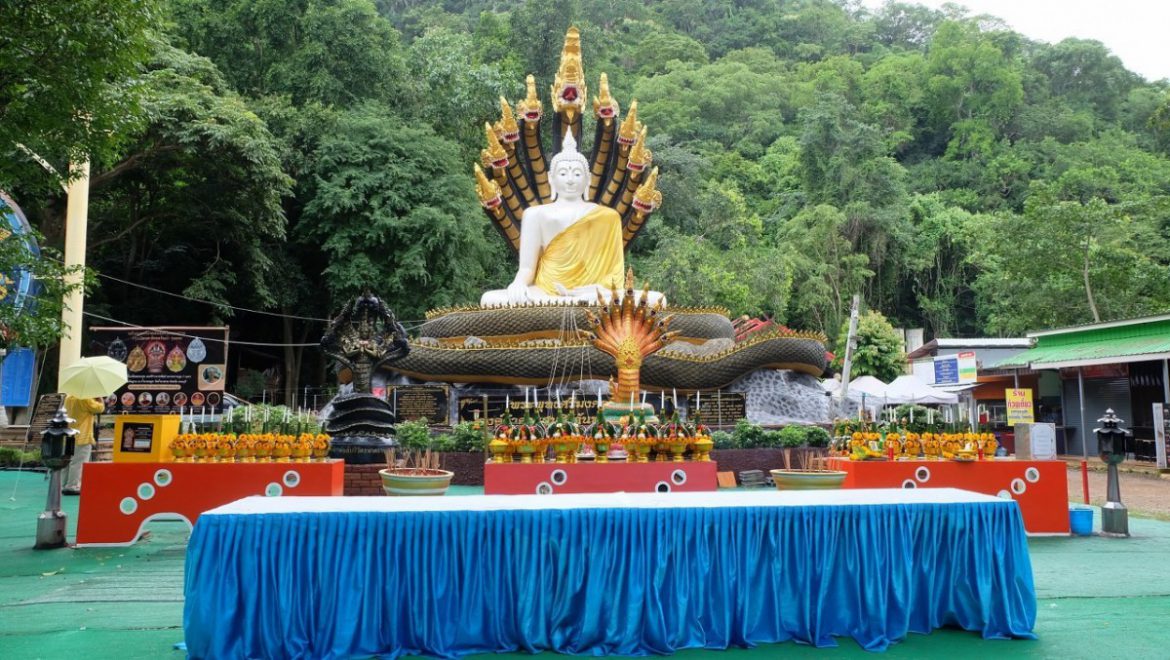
169 368
1019 406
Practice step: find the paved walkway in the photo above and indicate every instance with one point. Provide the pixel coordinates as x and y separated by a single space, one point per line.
1098 597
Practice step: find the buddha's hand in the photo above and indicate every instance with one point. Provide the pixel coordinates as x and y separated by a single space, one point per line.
561 290
517 292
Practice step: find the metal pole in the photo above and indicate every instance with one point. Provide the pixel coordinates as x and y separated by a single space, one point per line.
3 410
1084 434
1166 380
850 341
51 522
76 214
1016 377
1081 399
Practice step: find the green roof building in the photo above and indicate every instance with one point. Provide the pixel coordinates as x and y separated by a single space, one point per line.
1123 365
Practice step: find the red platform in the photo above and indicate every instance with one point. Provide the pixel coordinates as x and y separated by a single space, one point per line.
119 499
1040 487
551 478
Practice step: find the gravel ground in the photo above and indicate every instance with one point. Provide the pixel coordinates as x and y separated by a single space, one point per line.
1142 494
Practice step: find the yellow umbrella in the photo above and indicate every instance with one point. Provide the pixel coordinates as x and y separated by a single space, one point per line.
92 377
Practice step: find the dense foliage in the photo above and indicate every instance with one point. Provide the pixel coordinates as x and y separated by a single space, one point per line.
282 155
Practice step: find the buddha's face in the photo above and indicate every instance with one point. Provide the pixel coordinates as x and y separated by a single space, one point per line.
568 179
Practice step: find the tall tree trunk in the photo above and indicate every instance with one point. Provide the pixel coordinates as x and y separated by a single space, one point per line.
1089 286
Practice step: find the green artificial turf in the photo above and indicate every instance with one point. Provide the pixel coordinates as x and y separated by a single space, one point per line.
1099 597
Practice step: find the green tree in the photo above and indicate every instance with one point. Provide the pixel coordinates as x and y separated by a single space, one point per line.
827 272
879 351
336 52
194 202
393 212
34 321
67 81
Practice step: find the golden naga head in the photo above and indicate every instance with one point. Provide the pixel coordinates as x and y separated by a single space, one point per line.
647 198
530 107
568 90
495 155
507 128
640 156
487 190
628 133
605 107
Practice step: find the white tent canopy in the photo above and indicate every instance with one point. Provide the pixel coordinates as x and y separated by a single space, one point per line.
911 389
873 389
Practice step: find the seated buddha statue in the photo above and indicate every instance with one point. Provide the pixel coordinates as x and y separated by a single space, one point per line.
570 249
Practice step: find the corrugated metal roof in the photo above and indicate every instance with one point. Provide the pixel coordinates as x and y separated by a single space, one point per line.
1092 350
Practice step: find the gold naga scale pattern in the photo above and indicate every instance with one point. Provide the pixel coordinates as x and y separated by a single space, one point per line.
512 174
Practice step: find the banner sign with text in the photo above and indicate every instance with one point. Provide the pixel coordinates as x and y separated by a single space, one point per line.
1019 406
170 368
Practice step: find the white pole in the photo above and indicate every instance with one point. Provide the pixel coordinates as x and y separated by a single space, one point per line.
850 341
76 221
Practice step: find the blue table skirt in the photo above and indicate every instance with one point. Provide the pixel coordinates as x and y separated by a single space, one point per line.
608 581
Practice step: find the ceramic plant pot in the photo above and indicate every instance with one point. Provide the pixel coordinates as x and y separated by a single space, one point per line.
410 481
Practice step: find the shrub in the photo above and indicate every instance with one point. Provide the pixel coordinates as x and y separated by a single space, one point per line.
772 440
748 435
444 442
468 436
792 436
413 436
815 436
723 440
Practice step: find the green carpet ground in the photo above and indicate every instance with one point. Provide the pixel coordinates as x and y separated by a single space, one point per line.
1099 597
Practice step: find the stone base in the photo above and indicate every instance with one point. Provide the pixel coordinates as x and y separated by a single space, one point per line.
781 396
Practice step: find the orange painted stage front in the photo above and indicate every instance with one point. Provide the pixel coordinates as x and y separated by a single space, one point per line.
1039 487
118 499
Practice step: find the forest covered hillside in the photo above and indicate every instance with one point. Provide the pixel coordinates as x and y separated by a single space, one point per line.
288 154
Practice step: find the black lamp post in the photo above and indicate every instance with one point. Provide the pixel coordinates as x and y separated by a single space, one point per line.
1111 446
56 450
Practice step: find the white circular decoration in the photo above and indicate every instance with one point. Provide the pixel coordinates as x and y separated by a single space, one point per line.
559 477
544 488
1032 475
145 491
292 479
679 477
909 483
128 505
922 474
662 487
1018 486
273 489
1004 495
163 477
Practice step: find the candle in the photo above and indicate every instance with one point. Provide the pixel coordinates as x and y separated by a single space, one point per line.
662 399
912 413
202 414
644 393
507 402
598 396
674 397
698 395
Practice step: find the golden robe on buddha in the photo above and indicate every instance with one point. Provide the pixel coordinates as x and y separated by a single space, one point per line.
588 252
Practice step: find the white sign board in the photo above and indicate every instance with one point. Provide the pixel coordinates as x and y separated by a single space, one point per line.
1036 442
1161 431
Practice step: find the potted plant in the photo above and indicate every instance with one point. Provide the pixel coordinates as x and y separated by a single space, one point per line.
413 467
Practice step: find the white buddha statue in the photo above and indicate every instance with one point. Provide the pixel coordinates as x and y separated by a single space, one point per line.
570 249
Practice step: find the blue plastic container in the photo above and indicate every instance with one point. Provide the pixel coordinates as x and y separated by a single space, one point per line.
1081 521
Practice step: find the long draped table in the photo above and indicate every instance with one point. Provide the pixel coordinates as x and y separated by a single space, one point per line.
630 574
